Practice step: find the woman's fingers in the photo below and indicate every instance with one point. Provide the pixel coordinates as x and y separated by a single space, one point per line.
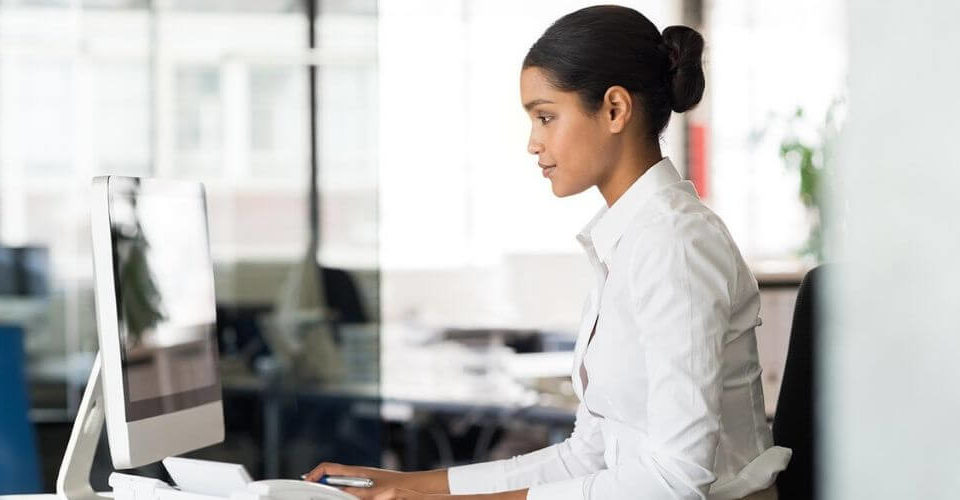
364 493
378 493
361 493
388 494
326 468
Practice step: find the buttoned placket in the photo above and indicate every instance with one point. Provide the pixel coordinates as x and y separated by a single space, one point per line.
590 319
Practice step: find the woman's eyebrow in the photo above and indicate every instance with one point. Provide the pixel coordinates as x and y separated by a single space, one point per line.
535 102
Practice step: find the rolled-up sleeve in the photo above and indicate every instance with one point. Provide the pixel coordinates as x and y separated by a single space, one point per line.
579 455
681 296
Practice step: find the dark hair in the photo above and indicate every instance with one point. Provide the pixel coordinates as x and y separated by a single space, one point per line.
593 49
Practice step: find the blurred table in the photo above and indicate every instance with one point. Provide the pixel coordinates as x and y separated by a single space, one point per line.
420 375
397 373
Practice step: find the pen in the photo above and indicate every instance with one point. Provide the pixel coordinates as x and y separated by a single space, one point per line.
350 481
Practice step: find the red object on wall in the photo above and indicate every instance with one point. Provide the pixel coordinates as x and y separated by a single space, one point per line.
697 154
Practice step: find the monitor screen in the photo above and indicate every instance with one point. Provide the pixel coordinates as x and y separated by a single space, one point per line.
166 306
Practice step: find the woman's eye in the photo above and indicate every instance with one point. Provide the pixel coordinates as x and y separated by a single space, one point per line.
544 119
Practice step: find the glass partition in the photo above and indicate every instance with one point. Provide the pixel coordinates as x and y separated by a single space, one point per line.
216 92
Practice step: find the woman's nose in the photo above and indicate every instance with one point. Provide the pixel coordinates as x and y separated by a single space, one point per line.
534 147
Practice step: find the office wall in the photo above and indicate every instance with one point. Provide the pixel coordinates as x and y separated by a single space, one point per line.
891 372
203 90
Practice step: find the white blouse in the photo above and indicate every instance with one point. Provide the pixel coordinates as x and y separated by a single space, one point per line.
671 404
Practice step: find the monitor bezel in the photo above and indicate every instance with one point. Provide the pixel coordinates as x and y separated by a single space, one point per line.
142 440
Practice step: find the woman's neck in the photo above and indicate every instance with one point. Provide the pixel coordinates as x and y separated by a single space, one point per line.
633 162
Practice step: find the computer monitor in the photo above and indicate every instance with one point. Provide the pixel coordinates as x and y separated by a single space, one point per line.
156 315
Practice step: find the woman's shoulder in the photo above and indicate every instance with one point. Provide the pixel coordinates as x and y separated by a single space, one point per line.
675 237
675 216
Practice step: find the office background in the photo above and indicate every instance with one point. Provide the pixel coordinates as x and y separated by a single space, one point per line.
446 257
426 193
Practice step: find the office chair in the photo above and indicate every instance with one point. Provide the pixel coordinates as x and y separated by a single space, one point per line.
343 295
794 425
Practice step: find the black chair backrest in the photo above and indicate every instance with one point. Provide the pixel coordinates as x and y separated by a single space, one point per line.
343 295
794 425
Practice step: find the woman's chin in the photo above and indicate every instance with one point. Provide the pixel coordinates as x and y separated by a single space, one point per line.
557 190
562 191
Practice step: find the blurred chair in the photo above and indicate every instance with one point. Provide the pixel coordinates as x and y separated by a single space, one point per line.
19 469
794 425
343 296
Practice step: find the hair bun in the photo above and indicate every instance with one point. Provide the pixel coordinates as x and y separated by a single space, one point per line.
684 48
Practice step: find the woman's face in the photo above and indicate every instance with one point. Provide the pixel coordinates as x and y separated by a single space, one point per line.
573 147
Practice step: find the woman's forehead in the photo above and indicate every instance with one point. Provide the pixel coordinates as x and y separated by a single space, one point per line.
535 89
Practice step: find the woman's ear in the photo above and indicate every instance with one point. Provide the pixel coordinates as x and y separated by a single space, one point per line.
617 108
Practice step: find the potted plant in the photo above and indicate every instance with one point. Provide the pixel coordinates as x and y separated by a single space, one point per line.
811 154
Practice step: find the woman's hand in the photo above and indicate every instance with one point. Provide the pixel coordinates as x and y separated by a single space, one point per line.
403 494
380 493
434 481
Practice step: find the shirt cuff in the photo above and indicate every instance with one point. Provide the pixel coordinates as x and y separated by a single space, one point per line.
756 476
569 489
485 477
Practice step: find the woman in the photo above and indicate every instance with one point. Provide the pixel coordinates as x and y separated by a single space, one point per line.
666 361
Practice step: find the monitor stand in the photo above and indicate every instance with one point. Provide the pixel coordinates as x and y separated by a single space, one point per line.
73 481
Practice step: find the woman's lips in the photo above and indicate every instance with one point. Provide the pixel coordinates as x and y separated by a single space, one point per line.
547 170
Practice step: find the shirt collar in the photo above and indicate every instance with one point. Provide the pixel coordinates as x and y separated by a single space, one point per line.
605 229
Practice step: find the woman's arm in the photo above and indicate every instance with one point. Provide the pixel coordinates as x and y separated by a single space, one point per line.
681 298
578 455
401 494
431 481
508 495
